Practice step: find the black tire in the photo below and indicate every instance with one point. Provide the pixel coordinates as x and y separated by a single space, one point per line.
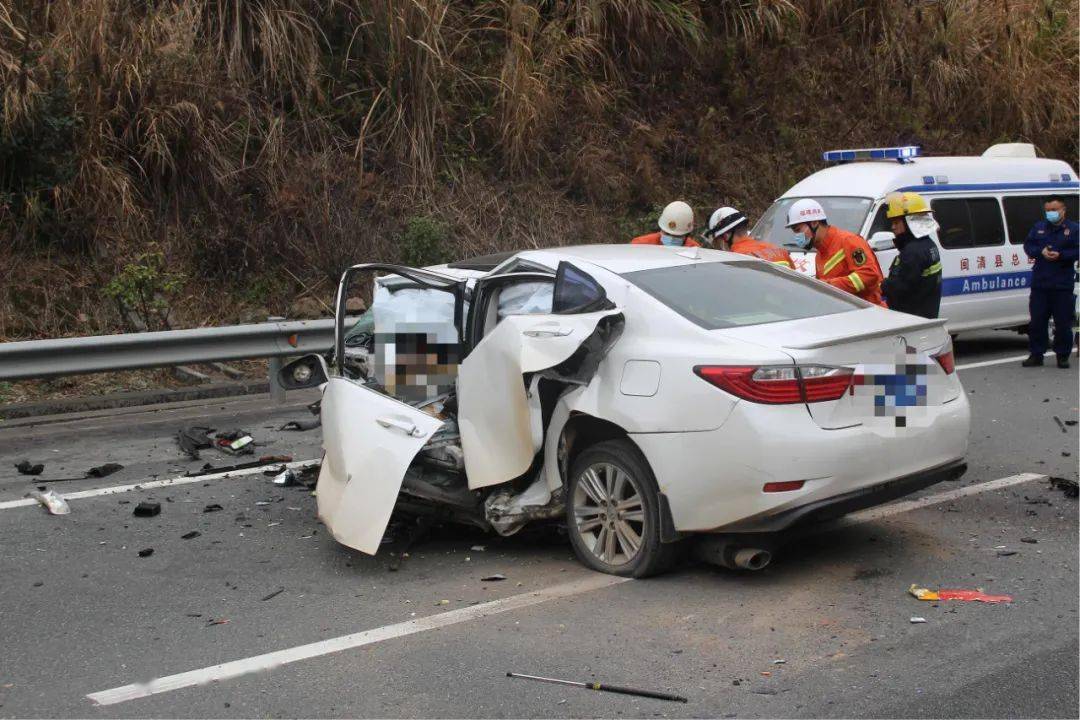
651 556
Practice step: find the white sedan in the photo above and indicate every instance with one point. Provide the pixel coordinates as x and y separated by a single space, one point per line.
646 395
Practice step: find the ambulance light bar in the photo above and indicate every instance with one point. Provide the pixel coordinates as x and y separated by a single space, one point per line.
899 154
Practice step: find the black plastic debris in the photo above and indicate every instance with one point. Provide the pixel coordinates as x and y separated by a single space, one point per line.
194 438
147 509
212 507
209 469
235 442
1070 423
1066 486
301 425
1028 540
103 470
25 467
493 578
146 552
272 595
1060 424
190 535
1005 553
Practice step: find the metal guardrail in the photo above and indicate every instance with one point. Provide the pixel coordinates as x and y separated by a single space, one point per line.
33 359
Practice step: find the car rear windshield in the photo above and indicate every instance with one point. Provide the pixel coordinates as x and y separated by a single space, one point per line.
719 295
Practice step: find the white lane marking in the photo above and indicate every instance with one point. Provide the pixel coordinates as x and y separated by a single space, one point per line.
151 484
900 507
271 660
999 361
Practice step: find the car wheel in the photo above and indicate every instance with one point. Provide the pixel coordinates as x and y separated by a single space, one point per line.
613 512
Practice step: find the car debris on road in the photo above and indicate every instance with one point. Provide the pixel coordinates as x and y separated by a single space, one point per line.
51 501
602 687
25 467
146 509
104 470
964 595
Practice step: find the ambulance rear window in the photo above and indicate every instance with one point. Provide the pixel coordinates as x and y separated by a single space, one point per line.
718 295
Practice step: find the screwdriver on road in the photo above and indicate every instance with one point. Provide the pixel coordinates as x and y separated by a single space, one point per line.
602 687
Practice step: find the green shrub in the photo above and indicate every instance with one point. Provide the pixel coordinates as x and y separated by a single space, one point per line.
425 241
144 287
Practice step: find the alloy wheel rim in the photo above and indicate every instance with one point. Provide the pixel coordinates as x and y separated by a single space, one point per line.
608 513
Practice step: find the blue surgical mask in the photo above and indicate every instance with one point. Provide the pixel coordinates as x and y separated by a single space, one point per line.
1053 217
670 240
802 241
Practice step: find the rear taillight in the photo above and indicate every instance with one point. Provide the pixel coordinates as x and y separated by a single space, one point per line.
825 383
780 384
946 361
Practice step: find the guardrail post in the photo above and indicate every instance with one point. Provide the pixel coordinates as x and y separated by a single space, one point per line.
277 390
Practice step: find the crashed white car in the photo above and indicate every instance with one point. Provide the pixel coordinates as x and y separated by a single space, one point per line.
644 394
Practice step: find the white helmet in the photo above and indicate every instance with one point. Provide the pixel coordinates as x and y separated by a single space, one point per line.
805 210
677 219
724 220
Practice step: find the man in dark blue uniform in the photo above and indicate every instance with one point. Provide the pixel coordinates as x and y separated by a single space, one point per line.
1053 244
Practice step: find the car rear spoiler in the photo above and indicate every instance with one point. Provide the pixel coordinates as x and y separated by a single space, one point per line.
843 339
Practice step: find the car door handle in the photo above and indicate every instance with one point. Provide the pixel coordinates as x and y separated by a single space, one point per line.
403 425
550 332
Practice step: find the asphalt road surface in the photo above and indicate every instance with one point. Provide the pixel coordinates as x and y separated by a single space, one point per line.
90 629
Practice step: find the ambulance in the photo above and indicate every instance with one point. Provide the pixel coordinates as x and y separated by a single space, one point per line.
984 206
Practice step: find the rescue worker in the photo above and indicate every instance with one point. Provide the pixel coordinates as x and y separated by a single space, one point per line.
1053 244
914 282
844 260
676 224
729 230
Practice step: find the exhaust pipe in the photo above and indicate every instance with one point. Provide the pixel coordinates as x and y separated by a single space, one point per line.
732 553
752 558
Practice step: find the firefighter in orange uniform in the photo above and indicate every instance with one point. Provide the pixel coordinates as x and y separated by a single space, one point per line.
728 230
844 259
676 224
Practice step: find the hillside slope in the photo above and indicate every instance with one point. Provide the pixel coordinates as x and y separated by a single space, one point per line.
182 163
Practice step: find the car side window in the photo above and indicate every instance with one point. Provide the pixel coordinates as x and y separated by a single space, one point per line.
1023 211
968 222
577 292
881 222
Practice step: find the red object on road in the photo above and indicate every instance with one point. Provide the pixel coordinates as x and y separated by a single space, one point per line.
969 595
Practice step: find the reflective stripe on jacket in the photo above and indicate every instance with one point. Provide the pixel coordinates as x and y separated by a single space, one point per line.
845 261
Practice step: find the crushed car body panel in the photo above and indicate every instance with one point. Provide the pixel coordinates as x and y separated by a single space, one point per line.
369 440
492 397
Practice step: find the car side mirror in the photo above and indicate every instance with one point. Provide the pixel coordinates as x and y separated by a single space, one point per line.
882 240
304 372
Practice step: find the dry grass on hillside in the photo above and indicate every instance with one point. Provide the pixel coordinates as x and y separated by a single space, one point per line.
256 146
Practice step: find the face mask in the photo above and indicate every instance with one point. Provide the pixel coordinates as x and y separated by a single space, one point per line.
921 225
670 240
802 241
1053 217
